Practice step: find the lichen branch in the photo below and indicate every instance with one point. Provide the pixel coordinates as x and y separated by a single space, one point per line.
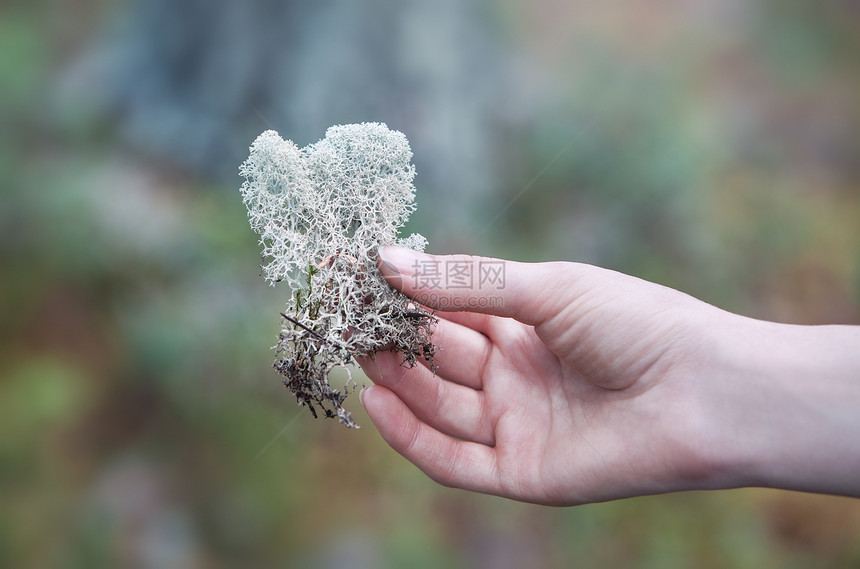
322 212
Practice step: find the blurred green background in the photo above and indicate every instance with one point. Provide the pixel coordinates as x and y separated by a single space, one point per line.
710 145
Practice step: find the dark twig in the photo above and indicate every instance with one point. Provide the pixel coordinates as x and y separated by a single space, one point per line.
315 334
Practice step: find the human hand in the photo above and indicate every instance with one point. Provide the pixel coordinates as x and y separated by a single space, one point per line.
563 384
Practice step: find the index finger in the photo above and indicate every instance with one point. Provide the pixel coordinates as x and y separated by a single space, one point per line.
528 292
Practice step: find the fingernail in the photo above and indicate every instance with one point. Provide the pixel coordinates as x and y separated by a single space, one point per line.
361 395
394 259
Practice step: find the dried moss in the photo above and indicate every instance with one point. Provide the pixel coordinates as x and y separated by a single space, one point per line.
322 212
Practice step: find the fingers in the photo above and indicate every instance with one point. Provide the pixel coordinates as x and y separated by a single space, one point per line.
530 293
450 462
482 323
450 408
461 354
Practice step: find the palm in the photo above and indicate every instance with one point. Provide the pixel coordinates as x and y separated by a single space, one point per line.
539 429
579 401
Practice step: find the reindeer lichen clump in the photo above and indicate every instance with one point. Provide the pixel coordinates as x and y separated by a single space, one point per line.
322 212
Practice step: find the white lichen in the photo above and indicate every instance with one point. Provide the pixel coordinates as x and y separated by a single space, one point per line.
322 212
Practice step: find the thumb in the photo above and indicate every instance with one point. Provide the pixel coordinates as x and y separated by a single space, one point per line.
528 292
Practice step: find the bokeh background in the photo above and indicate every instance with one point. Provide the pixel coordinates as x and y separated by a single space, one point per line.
710 145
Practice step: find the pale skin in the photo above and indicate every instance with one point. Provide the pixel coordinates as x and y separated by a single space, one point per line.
573 384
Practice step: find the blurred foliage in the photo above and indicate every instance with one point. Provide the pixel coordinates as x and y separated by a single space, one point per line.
712 146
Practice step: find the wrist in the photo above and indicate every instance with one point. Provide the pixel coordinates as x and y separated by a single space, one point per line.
783 406
713 436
